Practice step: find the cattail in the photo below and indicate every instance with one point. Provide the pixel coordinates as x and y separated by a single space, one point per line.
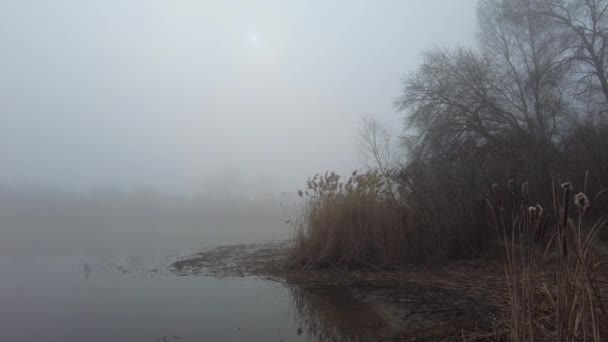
538 232
539 224
582 202
511 184
532 215
567 188
498 197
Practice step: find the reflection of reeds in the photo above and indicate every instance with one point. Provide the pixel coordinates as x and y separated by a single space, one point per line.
87 271
330 314
552 281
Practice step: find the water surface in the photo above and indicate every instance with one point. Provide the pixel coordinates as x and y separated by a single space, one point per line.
66 299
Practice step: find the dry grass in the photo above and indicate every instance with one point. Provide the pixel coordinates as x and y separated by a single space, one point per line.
350 224
551 270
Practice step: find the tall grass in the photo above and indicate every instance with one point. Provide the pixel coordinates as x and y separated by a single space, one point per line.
551 269
350 224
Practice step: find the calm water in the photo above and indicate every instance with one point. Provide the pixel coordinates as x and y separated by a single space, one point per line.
77 299
64 299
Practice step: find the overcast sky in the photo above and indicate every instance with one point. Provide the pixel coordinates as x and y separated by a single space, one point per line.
175 93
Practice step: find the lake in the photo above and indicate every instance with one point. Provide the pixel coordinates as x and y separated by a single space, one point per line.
96 268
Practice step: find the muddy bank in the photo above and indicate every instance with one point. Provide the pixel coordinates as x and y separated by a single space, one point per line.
461 299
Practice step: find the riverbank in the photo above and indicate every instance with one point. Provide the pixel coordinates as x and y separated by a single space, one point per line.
452 301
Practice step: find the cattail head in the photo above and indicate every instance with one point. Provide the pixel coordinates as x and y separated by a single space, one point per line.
539 210
536 212
533 214
582 202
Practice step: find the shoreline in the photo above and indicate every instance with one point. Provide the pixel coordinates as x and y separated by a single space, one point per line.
461 299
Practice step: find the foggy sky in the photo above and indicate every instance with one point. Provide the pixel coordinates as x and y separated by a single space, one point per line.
179 94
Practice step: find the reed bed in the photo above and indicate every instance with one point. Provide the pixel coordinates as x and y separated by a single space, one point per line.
350 224
365 222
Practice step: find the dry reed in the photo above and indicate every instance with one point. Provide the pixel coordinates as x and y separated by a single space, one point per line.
350 224
551 273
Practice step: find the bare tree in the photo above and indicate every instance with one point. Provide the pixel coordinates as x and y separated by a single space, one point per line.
495 112
528 63
514 86
449 99
375 149
584 25
374 144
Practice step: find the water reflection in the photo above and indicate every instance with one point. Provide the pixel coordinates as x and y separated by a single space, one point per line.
331 314
87 271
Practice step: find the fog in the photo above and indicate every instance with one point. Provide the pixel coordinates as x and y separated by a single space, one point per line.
136 133
171 93
172 115
45 222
